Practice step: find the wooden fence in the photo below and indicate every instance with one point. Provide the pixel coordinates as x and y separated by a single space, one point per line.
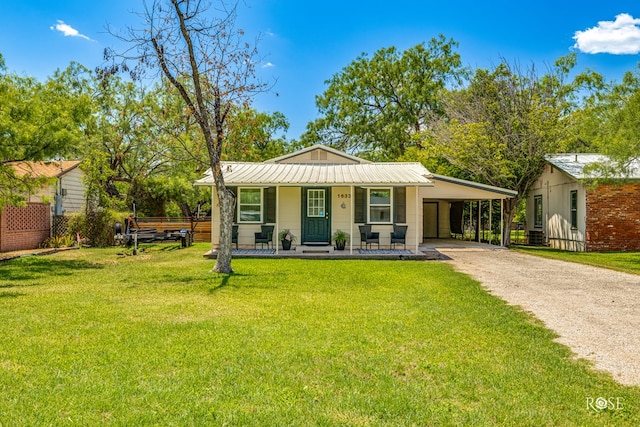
201 227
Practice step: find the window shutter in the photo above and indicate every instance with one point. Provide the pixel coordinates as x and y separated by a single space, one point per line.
235 211
270 204
360 205
400 205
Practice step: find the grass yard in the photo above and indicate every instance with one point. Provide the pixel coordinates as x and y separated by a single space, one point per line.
628 262
90 337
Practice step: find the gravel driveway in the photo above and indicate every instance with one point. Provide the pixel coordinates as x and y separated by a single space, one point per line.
595 312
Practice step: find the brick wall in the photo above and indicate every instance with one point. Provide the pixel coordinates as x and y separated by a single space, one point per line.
613 218
24 228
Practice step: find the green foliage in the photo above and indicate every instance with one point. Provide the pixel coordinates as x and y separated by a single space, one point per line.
340 237
92 337
96 227
286 234
38 121
500 128
611 122
375 105
251 135
66 241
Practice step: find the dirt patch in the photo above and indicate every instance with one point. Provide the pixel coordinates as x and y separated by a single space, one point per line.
595 311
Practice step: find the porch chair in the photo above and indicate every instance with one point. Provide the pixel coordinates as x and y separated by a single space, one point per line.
264 236
368 237
234 235
399 235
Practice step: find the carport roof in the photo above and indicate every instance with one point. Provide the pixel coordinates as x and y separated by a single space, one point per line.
301 174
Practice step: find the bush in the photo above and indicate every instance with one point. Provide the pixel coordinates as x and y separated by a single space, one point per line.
59 242
96 228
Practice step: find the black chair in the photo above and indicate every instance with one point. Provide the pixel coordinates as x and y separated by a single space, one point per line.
399 235
264 236
368 237
234 235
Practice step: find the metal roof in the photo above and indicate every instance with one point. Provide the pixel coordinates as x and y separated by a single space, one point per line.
575 164
296 174
476 185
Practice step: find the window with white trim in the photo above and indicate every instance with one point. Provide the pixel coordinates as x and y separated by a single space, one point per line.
250 205
380 205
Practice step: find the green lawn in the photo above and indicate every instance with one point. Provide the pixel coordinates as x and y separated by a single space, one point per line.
628 262
90 337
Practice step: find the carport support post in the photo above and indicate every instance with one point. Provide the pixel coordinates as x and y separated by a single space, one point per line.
501 223
479 221
490 215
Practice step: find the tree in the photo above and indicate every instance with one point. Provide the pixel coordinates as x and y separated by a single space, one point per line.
376 105
611 123
252 135
38 122
212 68
502 125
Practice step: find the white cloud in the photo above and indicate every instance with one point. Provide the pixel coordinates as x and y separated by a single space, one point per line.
68 30
268 65
619 37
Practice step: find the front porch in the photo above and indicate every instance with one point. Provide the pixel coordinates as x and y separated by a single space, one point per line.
428 250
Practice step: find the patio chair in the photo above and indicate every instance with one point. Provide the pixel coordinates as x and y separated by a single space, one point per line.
368 237
264 236
399 235
234 235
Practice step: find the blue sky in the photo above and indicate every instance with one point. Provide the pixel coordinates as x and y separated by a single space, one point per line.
306 42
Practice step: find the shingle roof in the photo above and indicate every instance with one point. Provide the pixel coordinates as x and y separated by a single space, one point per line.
44 169
283 174
575 164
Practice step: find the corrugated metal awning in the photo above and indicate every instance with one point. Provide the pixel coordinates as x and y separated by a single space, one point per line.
294 174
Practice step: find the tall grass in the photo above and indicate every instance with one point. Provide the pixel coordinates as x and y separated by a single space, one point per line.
93 337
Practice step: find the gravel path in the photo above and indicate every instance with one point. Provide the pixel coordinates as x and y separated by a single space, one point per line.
595 312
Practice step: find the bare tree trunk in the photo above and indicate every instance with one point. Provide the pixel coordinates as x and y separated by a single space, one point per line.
227 202
510 206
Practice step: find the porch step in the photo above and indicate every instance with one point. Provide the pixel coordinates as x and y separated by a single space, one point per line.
314 249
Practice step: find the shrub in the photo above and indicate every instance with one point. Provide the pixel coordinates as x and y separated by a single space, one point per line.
95 227
65 241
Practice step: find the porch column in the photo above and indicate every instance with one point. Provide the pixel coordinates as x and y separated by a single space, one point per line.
277 233
351 220
415 229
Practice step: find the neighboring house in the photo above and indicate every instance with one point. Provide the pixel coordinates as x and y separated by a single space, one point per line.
565 210
27 227
318 190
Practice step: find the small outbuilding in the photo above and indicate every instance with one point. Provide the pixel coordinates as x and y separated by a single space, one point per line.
571 207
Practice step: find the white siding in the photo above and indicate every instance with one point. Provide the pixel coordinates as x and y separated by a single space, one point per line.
555 188
72 182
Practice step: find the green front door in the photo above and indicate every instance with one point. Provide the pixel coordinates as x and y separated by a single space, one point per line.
316 223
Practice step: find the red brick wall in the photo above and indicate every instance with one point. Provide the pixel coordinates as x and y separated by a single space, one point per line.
613 218
24 228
